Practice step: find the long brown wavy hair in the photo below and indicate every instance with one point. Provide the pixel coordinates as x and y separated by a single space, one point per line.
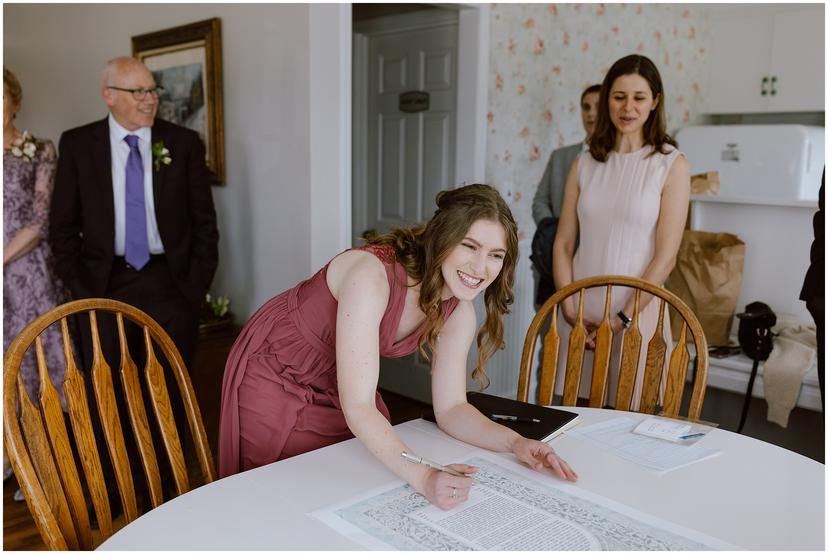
602 141
422 250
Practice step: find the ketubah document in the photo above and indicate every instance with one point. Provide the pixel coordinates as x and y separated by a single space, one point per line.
512 508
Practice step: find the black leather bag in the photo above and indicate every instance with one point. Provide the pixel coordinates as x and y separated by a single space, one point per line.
541 257
755 325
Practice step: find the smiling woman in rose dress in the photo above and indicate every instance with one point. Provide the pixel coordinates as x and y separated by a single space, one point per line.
303 373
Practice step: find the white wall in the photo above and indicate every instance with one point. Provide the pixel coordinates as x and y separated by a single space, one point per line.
264 210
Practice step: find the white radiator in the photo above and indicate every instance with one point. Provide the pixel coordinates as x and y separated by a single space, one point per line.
503 368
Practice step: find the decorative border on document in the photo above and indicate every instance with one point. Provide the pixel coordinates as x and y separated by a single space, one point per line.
388 518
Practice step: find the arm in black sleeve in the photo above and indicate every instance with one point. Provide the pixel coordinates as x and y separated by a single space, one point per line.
65 219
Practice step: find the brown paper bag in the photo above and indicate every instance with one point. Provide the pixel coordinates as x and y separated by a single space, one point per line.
708 277
705 183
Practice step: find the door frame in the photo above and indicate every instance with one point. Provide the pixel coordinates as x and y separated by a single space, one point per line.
329 131
472 97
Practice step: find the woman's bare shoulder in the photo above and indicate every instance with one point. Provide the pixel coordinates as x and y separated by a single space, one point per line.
463 319
680 163
357 266
679 169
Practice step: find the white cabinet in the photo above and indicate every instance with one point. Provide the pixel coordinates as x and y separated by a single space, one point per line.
797 69
739 55
767 61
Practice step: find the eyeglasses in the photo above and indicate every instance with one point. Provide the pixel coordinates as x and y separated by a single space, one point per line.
141 93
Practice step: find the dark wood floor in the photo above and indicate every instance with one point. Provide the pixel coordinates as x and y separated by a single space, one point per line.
20 532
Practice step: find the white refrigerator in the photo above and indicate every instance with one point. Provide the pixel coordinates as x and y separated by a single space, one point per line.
769 182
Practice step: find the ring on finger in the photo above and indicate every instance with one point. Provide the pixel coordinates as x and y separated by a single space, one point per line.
454 492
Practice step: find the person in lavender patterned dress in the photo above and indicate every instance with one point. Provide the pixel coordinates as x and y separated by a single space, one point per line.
30 287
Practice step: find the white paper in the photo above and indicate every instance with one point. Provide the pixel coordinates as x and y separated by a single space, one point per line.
492 521
616 436
513 508
662 428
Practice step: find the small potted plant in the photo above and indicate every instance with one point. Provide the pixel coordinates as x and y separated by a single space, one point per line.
215 313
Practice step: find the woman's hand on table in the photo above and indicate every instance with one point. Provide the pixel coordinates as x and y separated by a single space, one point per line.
539 455
445 490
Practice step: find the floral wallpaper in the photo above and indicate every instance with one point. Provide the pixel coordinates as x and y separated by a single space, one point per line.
542 56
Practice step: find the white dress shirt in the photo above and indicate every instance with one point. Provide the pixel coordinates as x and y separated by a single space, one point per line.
120 153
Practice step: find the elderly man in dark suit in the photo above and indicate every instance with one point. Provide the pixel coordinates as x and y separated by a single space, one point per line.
133 220
132 213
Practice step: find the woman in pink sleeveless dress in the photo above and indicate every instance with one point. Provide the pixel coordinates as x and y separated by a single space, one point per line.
303 373
625 205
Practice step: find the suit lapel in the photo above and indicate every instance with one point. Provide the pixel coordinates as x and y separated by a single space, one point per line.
102 160
158 176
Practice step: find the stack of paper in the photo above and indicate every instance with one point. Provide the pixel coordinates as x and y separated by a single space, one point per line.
616 436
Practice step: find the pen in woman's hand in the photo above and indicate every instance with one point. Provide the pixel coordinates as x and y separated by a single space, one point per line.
434 465
517 419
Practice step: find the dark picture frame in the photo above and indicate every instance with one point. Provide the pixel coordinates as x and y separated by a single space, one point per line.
186 61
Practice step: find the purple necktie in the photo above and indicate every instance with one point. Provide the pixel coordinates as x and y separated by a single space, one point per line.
136 249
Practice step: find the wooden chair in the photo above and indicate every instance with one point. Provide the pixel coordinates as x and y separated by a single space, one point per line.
41 454
631 348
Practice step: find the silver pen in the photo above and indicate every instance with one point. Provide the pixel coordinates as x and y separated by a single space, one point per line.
434 465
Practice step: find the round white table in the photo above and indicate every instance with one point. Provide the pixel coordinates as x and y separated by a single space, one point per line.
753 495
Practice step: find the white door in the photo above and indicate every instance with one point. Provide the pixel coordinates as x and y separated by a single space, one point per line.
798 61
402 159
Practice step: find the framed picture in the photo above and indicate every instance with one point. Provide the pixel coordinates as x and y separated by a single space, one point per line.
186 61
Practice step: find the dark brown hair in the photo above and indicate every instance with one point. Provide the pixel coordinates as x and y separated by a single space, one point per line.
422 250
602 141
589 89
12 86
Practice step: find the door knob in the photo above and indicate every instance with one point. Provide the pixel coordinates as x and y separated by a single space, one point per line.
764 86
773 86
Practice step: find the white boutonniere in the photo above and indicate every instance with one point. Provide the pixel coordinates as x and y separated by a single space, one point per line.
25 147
219 305
160 154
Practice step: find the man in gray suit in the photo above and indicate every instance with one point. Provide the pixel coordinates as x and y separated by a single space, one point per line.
546 206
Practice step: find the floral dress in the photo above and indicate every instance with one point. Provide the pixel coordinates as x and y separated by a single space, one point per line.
30 287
